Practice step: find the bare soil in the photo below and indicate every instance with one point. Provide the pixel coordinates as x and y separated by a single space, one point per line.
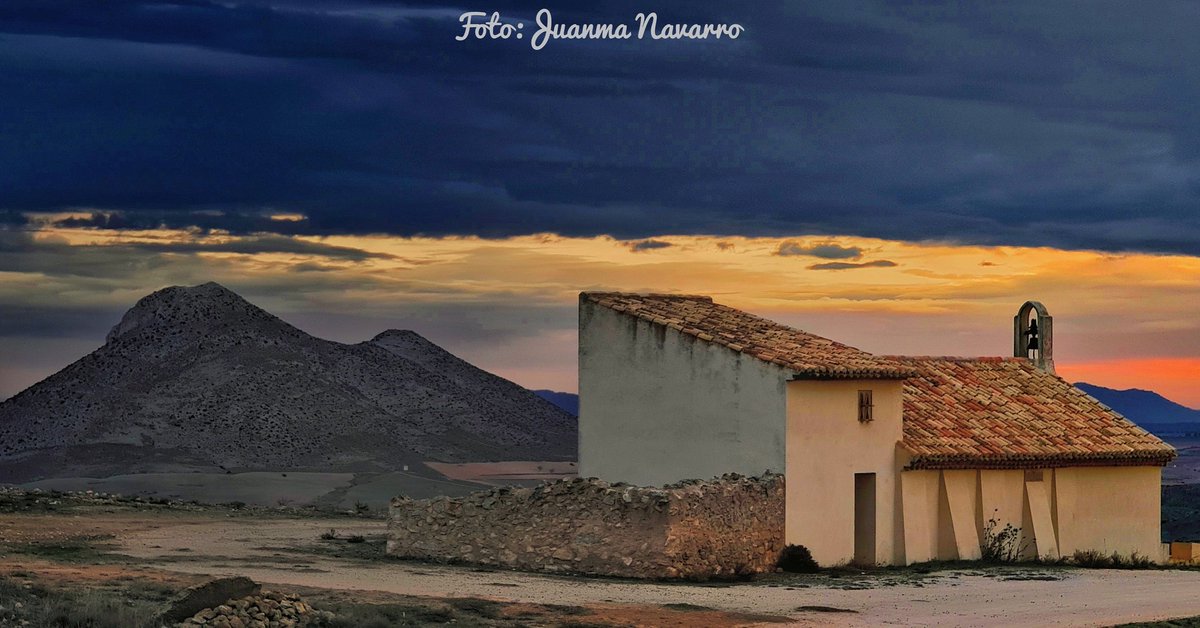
501 473
176 548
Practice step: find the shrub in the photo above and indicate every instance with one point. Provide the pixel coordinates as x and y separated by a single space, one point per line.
1001 545
329 536
1092 558
1089 558
1133 561
797 559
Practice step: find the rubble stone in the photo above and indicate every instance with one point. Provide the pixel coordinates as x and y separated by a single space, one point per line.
270 609
727 528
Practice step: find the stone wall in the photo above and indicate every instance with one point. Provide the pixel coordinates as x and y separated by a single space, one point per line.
726 528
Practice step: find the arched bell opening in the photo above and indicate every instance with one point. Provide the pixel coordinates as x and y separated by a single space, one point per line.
1033 335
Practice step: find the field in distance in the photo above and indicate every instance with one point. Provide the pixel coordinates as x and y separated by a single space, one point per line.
328 490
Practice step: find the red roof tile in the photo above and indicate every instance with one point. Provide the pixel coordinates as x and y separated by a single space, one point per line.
809 355
1006 413
958 412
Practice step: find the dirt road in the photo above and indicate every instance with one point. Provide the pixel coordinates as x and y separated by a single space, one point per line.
265 551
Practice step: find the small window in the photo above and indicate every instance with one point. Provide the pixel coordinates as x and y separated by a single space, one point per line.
866 406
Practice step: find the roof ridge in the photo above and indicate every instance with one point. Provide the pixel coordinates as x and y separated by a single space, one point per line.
806 354
650 295
957 358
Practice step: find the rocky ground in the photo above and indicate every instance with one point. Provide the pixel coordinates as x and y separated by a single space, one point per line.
116 562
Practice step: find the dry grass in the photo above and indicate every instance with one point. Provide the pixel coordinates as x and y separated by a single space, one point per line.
71 608
1115 560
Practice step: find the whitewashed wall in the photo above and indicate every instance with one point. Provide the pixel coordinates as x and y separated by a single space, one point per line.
827 446
1101 509
658 406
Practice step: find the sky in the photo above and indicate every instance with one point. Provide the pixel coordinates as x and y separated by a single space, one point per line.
898 176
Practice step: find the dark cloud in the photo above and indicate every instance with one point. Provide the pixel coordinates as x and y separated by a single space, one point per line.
204 221
1027 123
22 241
264 244
824 250
57 321
879 263
11 218
647 245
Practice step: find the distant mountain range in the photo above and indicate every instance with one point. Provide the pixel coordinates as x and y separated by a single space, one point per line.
1148 409
568 402
199 378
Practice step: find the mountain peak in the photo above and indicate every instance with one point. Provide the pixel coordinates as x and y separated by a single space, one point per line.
206 290
206 286
179 306
410 345
403 338
195 376
407 334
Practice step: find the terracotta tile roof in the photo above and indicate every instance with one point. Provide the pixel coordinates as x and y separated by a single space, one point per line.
810 356
1006 413
999 413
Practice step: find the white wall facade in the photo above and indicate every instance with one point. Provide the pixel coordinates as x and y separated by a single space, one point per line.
1058 511
826 446
657 406
1108 509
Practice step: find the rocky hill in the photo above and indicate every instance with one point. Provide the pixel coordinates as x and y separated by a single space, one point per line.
196 377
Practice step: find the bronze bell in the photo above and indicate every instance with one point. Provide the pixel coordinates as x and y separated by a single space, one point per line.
1033 335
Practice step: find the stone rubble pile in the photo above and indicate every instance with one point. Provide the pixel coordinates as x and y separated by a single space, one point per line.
269 609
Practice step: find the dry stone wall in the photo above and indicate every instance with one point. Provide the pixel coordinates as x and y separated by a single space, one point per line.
725 528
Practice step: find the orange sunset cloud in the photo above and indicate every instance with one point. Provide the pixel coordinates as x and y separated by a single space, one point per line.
1122 320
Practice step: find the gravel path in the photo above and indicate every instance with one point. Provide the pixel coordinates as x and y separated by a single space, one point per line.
965 598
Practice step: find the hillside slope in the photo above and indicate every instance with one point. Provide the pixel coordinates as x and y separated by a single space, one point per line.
1143 407
196 377
569 402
